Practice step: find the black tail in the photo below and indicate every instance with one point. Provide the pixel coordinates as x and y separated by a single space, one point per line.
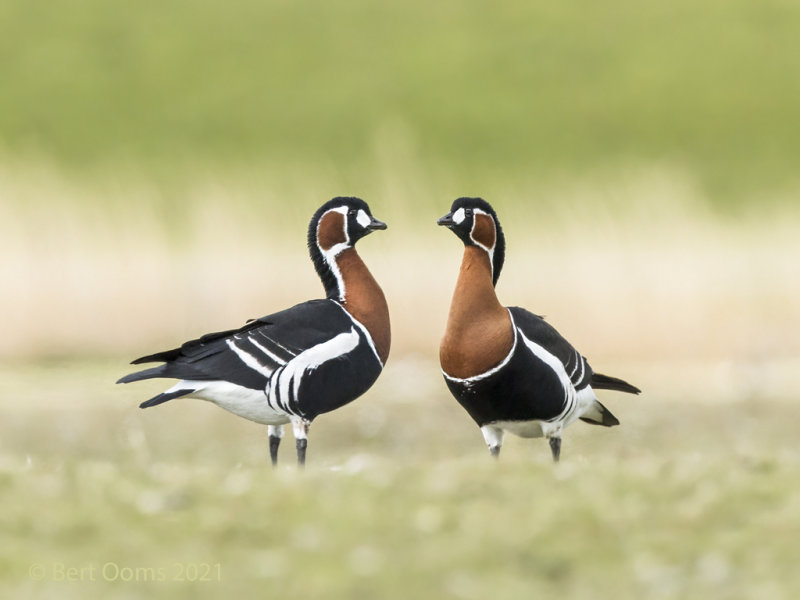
599 415
604 382
161 398
146 374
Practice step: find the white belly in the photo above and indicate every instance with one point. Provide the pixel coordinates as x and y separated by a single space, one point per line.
524 429
241 401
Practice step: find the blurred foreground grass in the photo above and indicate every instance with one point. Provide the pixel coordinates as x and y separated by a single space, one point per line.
689 497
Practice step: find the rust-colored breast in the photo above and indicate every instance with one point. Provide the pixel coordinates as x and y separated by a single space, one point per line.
479 333
364 299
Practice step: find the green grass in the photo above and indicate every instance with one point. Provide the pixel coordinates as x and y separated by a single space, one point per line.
690 499
485 92
156 158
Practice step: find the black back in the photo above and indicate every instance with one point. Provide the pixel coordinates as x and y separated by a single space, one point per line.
536 329
284 334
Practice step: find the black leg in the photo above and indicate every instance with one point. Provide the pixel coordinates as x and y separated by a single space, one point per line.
555 448
301 444
274 442
495 451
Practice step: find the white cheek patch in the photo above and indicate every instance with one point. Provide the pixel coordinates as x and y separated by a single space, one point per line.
459 216
363 218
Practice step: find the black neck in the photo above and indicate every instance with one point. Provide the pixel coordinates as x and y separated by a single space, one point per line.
499 255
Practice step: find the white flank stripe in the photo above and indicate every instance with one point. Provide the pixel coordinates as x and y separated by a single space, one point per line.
292 372
575 368
558 368
248 359
282 347
580 359
272 356
365 331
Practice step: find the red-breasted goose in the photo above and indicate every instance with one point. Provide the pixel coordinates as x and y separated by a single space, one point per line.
509 369
294 365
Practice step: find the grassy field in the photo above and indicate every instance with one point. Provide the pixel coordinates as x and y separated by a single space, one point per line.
694 496
689 498
158 167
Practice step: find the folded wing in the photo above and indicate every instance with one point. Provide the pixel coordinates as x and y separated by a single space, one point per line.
248 356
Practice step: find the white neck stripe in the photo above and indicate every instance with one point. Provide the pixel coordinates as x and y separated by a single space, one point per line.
489 251
331 253
365 331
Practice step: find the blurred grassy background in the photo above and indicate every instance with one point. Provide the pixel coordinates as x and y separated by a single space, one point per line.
482 90
158 166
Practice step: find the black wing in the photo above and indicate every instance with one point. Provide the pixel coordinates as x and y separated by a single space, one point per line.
605 382
249 355
541 332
